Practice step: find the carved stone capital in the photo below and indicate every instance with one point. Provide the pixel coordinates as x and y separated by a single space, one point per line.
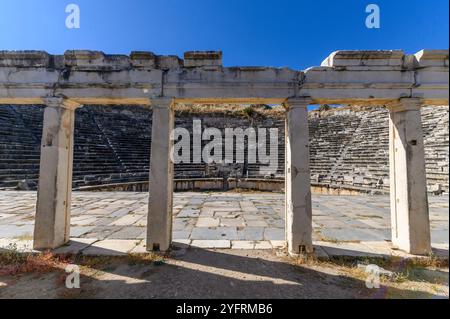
405 104
295 102
57 101
162 102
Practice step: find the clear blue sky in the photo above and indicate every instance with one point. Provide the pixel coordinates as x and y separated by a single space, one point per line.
296 33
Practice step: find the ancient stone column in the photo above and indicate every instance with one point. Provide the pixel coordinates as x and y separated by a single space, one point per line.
52 222
409 202
159 225
298 184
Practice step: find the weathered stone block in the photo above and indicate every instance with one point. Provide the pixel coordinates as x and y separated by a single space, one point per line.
141 59
202 58
364 58
21 59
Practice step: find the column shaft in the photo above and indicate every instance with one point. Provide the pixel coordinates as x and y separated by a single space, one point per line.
159 226
298 184
409 201
52 223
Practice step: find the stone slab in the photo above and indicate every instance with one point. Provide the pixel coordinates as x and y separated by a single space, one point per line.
111 247
93 212
242 244
218 244
75 246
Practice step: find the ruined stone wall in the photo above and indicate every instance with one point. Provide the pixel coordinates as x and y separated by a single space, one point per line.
349 147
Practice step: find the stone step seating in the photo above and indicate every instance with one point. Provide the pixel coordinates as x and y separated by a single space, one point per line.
10 175
11 158
17 167
92 154
260 170
183 170
436 139
24 149
112 178
9 182
112 145
19 148
328 136
128 132
366 157
221 121
366 154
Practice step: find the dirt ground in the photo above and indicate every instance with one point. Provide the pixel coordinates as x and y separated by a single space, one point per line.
200 273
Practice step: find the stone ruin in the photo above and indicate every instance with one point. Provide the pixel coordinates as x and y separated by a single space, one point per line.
403 83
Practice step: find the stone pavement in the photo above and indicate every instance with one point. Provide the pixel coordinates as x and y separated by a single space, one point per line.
115 222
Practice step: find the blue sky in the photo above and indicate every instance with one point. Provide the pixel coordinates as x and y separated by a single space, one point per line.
297 34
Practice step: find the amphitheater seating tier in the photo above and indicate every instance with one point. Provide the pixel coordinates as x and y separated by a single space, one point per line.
112 145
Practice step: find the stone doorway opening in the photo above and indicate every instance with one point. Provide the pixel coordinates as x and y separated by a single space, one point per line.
235 209
298 214
227 213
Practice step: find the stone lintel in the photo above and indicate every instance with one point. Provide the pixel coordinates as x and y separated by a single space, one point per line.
374 77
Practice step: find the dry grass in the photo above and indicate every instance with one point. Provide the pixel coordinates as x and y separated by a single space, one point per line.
403 271
15 263
24 237
245 111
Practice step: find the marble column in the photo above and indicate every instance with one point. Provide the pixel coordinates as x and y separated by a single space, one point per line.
298 184
159 225
409 202
52 223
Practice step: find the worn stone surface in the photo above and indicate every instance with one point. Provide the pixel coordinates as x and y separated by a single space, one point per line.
75 245
222 244
336 219
111 247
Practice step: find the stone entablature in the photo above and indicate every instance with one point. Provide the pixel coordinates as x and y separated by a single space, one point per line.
92 77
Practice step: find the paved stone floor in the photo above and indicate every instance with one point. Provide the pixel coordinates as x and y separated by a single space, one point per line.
216 220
